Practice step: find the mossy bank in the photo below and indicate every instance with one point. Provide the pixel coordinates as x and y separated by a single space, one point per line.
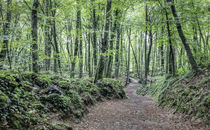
186 94
27 99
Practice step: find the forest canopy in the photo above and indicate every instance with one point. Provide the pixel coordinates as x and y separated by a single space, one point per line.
104 38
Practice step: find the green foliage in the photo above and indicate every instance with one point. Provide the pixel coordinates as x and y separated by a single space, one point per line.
26 98
3 100
111 88
187 94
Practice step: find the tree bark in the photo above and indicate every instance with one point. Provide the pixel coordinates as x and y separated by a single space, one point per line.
94 36
136 61
145 44
6 31
89 56
34 46
113 35
80 48
128 61
76 41
148 56
117 61
171 53
47 37
183 38
56 50
100 69
162 52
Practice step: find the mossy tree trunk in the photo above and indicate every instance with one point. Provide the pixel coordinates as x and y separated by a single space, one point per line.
47 37
76 48
113 35
100 69
34 46
117 61
128 60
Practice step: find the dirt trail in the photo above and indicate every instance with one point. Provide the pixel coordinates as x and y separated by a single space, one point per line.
135 113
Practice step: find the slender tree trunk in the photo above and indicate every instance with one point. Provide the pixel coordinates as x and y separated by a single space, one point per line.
89 56
56 53
100 69
69 28
6 31
167 58
171 53
148 56
117 61
80 48
76 47
47 37
128 61
94 36
113 35
183 38
136 61
145 44
121 50
140 55
162 52
34 46
154 55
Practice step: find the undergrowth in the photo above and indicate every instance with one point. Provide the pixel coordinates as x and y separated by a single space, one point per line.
26 99
188 94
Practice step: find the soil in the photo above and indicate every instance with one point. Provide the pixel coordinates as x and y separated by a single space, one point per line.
135 113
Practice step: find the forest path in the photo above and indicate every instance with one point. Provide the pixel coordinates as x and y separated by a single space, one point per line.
135 113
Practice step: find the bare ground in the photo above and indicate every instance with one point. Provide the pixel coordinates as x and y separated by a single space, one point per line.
135 113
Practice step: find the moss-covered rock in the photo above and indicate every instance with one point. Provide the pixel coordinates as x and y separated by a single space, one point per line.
57 103
111 88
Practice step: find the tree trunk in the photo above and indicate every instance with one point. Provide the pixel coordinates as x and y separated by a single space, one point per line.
76 47
136 61
121 50
56 50
117 62
148 56
94 36
47 37
128 61
34 46
141 55
6 31
145 44
80 48
89 56
183 38
100 69
113 35
171 53
162 52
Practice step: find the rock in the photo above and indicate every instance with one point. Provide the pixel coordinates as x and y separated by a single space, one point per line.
198 121
53 89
